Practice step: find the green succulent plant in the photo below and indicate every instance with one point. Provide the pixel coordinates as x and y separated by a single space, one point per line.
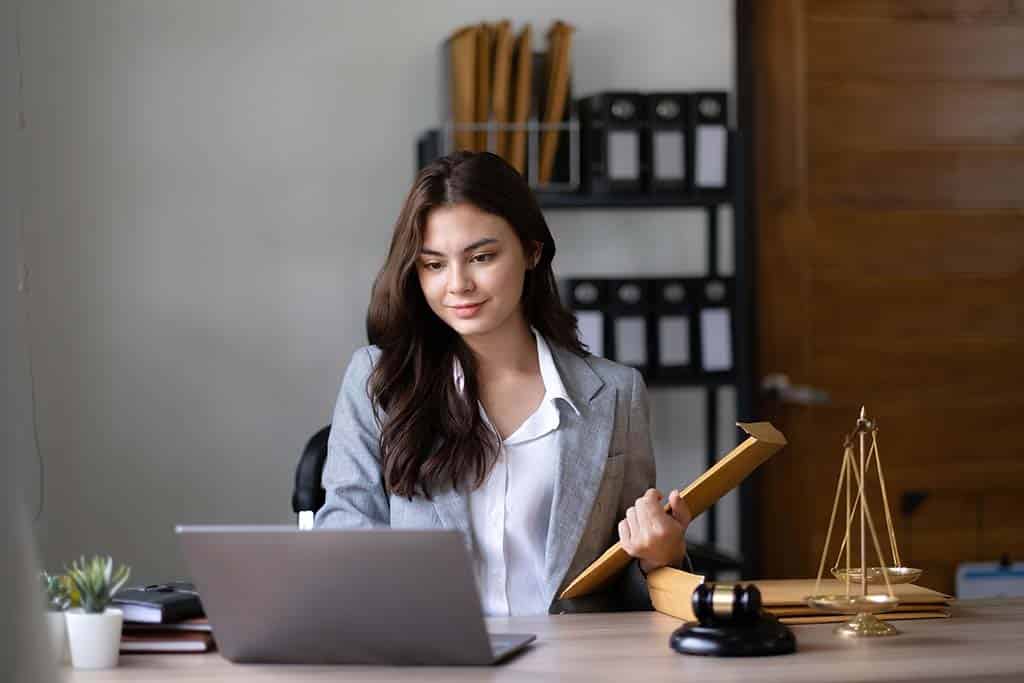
55 588
96 582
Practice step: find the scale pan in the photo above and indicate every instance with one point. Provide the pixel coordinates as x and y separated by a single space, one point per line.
853 604
895 574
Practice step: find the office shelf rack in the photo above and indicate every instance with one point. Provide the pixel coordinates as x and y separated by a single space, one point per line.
743 307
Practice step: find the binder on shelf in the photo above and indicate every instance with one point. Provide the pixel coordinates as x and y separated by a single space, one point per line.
676 332
710 149
483 85
460 49
500 92
716 347
522 100
628 308
428 147
614 146
587 299
668 116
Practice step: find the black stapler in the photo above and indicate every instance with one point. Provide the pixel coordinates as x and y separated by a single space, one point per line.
730 623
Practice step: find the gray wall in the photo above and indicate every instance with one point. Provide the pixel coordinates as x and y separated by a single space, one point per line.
211 187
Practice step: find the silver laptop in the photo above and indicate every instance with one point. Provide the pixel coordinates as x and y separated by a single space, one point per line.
331 596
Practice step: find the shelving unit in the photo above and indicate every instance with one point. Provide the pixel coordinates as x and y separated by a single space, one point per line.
742 310
740 377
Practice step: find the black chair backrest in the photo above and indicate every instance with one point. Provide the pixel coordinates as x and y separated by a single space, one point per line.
308 494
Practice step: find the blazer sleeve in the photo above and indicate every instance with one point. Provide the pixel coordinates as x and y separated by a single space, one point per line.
640 475
352 478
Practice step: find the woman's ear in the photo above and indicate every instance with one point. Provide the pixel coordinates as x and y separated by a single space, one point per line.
538 251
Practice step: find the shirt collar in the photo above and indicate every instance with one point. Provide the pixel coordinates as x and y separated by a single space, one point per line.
553 386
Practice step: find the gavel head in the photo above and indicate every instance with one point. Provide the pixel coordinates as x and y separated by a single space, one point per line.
721 604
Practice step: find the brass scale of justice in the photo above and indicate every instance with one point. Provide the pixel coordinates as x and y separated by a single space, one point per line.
857 600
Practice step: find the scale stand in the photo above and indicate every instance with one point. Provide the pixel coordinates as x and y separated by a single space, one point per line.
857 600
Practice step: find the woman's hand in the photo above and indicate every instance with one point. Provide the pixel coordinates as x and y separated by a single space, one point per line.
652 535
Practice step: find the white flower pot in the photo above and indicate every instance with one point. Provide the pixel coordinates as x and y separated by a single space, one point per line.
94 639
56 624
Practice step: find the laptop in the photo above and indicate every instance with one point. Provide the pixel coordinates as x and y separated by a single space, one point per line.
275 594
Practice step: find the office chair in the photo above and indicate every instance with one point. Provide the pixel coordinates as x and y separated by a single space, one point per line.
308 495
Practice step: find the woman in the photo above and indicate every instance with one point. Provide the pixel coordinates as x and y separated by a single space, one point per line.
477 408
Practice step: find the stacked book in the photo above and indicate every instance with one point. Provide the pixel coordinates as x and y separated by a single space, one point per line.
787 600
163 618
671 590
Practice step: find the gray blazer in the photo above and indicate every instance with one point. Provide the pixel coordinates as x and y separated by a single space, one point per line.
605 464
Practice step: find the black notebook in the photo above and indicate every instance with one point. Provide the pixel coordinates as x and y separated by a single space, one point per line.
162 603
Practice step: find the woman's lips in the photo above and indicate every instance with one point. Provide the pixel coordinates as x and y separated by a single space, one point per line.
464 312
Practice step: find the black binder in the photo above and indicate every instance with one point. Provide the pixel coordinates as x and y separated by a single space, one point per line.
675 304
709 151
614 150
588 299
628 332
668 115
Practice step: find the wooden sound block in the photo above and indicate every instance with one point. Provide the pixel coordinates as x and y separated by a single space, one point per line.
762 442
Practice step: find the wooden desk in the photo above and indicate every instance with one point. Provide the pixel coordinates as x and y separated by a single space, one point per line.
983 641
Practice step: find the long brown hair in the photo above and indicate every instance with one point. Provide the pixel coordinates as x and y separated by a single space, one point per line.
431 434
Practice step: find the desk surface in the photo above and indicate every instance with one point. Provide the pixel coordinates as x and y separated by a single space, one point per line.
983 641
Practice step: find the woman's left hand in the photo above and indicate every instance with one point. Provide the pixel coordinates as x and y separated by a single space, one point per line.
654 536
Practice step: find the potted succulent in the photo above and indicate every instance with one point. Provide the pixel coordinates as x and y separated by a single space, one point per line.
58 600
94 628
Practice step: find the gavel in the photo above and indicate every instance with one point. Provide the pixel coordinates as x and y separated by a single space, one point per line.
721 604
730 623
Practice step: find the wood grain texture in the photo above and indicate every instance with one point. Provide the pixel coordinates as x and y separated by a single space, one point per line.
845 113
957 177
1000 11
981 642
899 245
891 256
900 50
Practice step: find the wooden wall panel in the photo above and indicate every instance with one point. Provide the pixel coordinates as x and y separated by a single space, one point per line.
925 311
917 244
927 177
1001 11
881 113
887 50
890 139
972 372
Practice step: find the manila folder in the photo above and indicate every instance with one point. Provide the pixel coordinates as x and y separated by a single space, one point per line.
763 441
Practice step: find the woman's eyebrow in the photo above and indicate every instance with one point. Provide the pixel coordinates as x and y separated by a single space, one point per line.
471 247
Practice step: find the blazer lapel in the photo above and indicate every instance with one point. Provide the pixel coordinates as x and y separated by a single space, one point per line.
583 452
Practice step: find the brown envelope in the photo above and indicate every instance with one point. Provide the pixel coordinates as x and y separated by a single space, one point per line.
523 99
559 44
500 89
763 442
483 83
462 83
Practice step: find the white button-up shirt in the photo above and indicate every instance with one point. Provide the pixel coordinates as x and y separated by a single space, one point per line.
509 513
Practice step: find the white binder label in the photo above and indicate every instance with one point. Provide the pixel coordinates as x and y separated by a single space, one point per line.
674 340
631 341
710 149
669 148
591 327
715 339
623 155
